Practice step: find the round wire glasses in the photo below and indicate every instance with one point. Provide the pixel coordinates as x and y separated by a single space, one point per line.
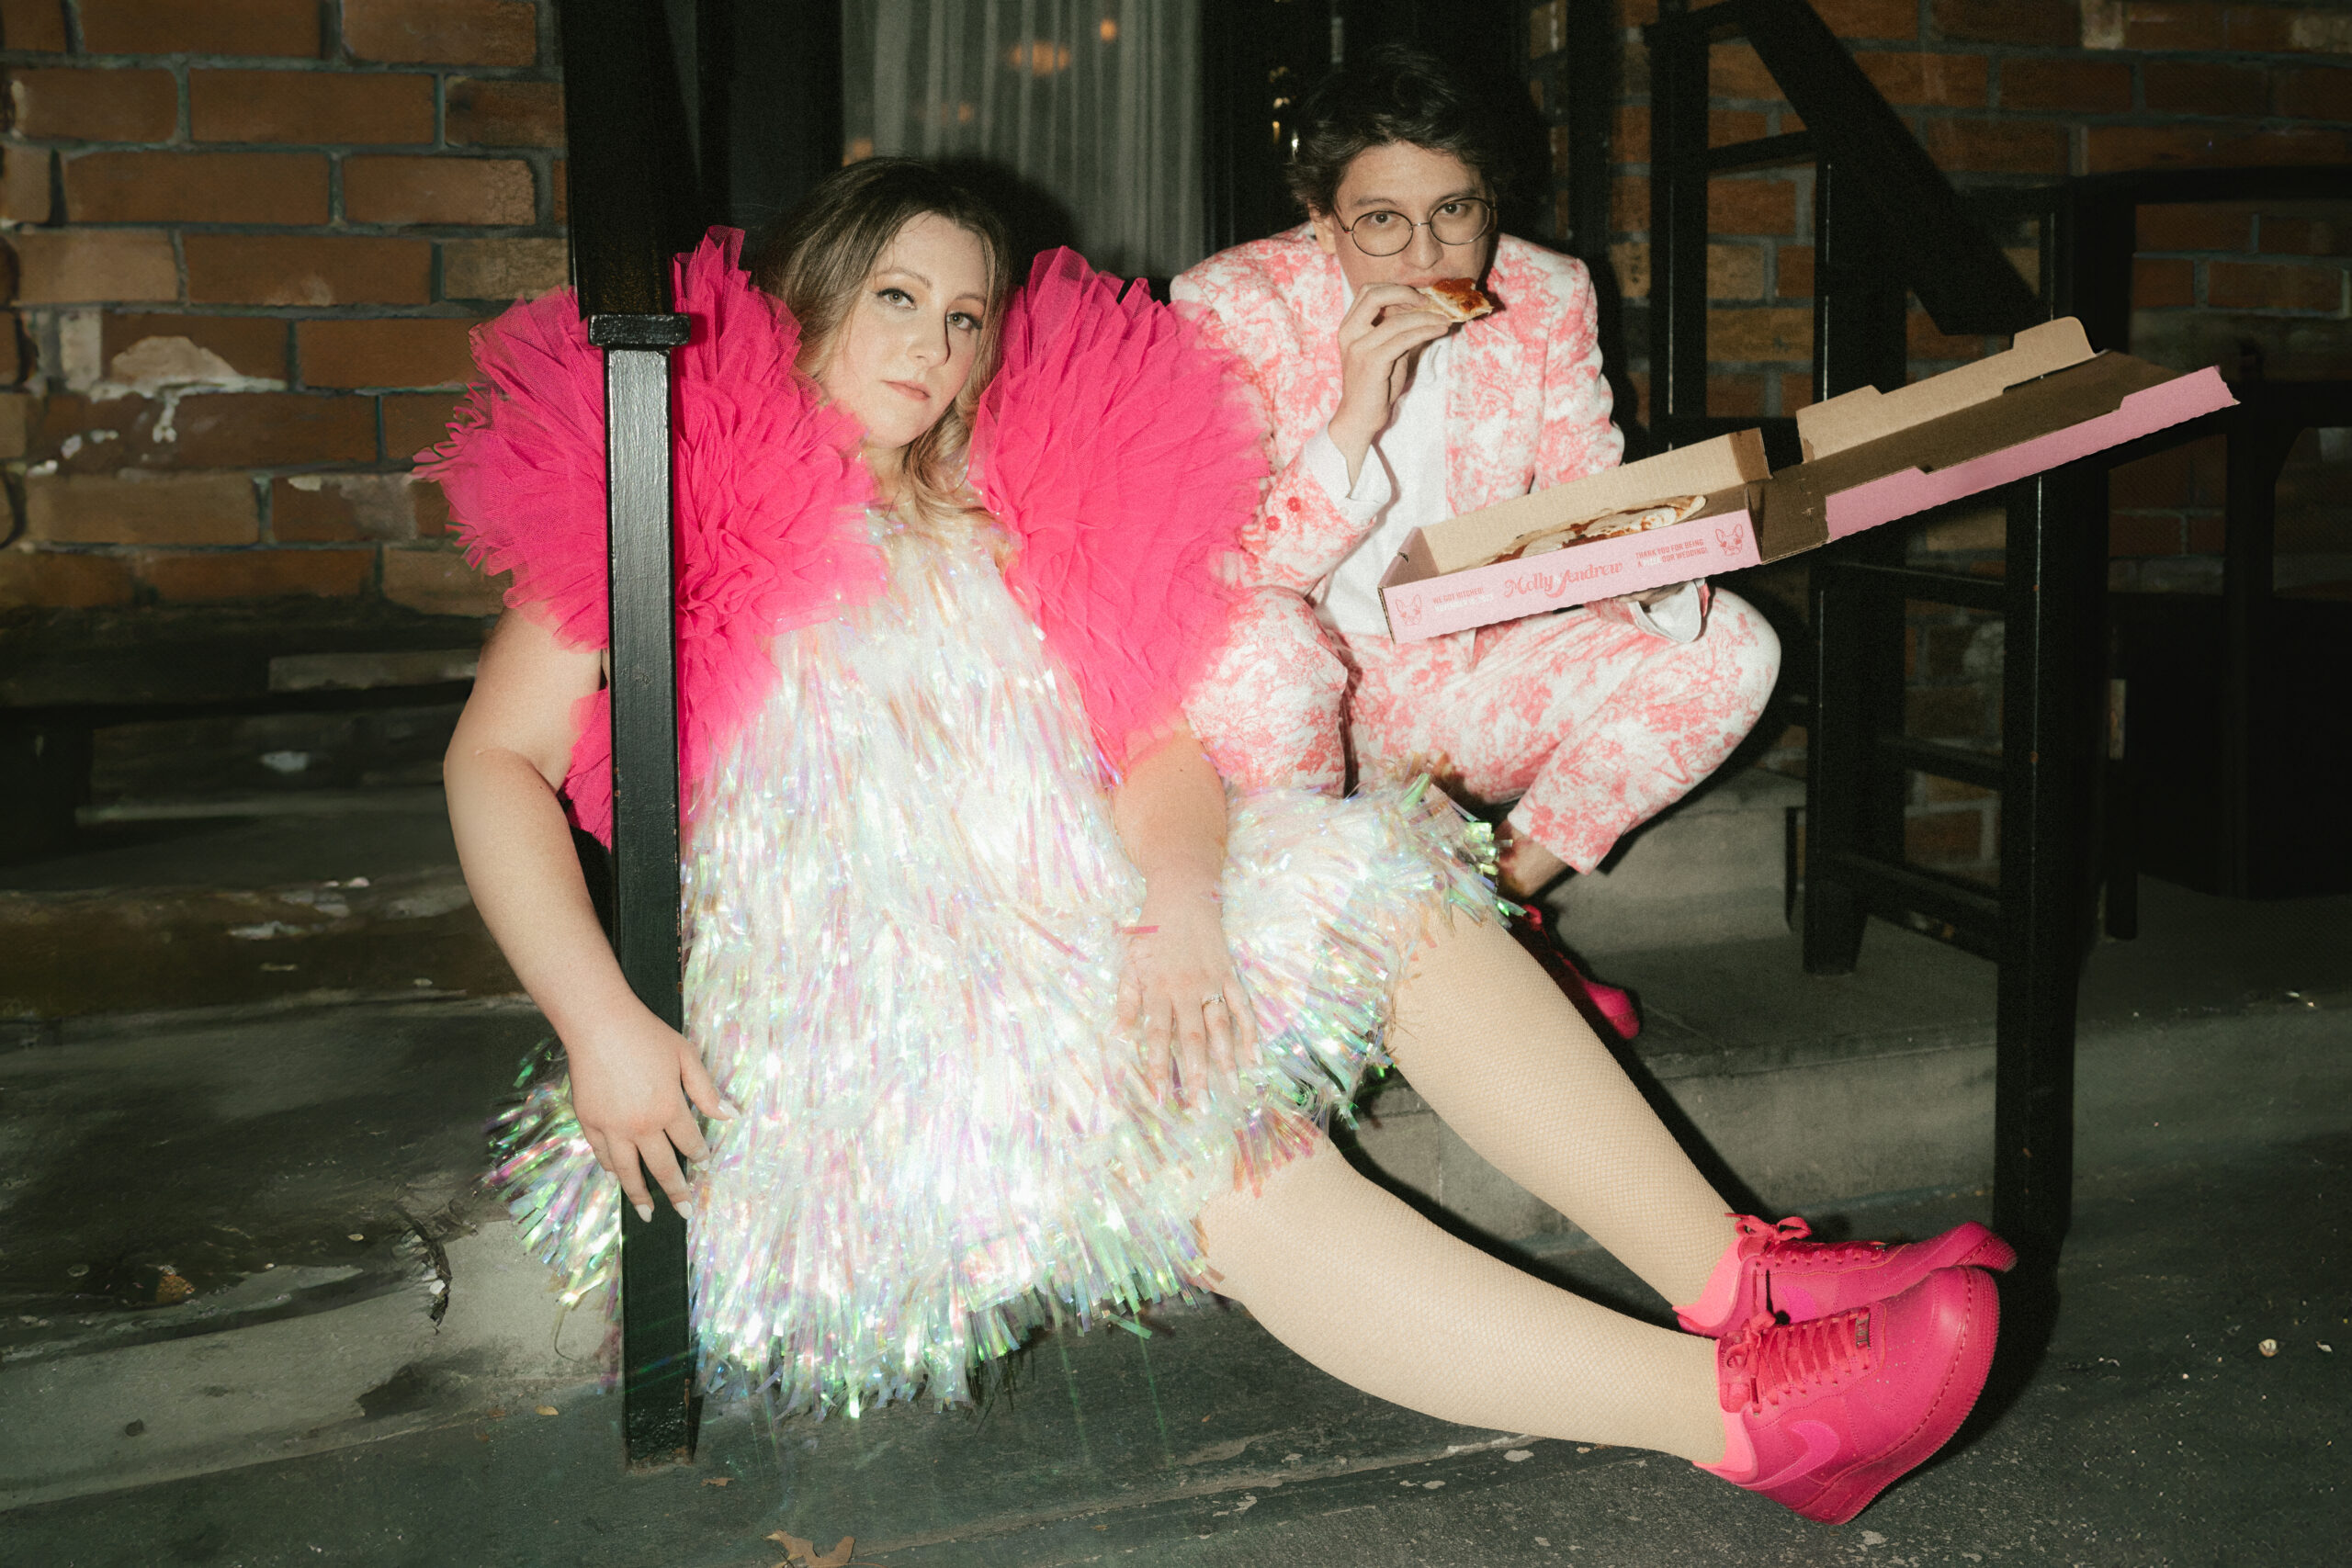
1383 231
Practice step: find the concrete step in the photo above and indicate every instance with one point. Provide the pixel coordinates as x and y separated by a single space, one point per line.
344 895
235 1235
1713 868
299 900
2147 1426
503 1345
2224 1018
1788 1130
338 1145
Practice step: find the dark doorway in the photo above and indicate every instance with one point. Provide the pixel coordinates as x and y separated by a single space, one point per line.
769 76
1260 57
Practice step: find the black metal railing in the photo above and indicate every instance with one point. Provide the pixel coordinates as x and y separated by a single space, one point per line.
1886 221
632 206
1889 226
2088 232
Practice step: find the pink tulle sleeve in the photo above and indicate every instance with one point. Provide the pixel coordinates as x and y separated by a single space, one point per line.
771 497
523 464
1114 444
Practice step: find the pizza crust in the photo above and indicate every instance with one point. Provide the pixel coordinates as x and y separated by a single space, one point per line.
1664 514
1458 299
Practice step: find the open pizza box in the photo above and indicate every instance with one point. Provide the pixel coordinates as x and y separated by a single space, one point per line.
1870 456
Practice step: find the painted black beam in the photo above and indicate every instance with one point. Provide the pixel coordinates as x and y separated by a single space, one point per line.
1943 761
633 204
657 1357
2054 636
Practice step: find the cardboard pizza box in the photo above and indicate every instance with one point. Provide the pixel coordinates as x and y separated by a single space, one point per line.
1446 577
1872 457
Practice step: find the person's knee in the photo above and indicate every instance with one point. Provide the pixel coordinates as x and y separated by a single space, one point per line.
1269 711
1750 648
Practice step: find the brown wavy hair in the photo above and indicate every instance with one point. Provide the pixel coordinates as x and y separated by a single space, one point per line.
818 256
1394 93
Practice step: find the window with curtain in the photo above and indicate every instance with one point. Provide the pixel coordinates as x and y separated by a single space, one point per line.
1095 102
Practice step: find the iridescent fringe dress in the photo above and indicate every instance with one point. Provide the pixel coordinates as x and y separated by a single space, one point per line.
905 901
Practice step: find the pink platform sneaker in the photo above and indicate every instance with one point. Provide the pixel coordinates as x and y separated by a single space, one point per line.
1822 1417
1774 1270
1614 1005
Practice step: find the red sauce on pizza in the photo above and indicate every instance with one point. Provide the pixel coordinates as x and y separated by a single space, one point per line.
1461 299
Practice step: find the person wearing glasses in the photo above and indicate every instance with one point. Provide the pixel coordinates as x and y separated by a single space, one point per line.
1002 1012
1381 414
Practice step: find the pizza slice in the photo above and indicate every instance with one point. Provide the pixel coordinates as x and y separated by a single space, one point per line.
1458 299
1664 514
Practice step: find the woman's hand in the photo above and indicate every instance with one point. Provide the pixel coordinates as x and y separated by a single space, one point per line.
1179 987
630 1073
630 1085
1377 339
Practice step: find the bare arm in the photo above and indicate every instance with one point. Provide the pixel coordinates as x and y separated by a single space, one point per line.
631 1073
1178 984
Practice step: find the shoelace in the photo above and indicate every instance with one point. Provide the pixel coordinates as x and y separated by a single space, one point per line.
1766 1361
1793 1232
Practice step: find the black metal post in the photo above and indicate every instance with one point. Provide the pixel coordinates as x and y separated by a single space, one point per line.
657 1353
1593 47
2097 233
1678 308
2057 538
1859 304
1837 737
1853 795
2259 446
2119 840
633 203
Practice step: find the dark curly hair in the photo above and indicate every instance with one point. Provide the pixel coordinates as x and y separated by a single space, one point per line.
1394 93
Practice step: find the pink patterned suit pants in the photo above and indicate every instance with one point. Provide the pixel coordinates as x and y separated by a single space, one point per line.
1592 724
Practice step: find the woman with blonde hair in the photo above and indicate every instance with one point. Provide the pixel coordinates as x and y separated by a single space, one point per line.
999 1010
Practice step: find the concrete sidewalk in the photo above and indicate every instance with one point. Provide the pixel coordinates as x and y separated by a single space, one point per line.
253 1315
2150 1429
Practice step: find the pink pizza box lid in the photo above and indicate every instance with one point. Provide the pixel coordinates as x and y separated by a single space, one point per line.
1873 457
1703 468
1447 577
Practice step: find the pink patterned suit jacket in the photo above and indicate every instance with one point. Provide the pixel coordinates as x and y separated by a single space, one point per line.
1589 718
1525 403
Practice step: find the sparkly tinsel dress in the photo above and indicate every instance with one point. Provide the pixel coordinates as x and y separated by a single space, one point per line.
904 903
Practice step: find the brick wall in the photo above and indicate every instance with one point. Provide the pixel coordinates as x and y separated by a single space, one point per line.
243 242
2029 92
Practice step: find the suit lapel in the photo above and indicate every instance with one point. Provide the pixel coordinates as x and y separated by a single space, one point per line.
1492 382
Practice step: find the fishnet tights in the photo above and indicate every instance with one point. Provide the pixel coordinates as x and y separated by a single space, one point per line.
1487 1038
1360 1285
